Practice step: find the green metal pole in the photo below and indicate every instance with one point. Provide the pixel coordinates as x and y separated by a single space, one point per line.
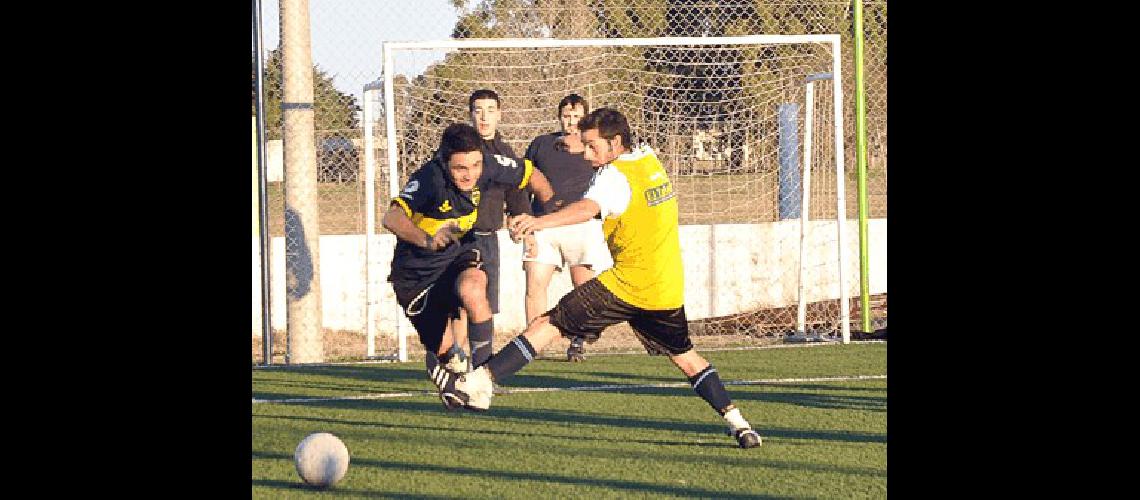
861 167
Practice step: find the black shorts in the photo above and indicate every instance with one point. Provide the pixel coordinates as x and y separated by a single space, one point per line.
590 308
487 245
431 308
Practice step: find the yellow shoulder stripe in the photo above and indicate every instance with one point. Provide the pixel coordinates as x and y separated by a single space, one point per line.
528 168
404 205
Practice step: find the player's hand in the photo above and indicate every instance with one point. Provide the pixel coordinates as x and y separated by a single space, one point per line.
510 224
446 235
523 225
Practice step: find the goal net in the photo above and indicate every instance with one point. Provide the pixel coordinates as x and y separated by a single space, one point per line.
745 126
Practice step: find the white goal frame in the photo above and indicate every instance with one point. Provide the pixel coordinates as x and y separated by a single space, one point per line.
390 48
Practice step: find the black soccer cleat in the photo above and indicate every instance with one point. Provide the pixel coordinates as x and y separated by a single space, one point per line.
444 381
748 438
452 400
574 353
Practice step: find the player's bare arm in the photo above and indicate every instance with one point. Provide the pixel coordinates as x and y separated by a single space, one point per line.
579 211
397 221
541 186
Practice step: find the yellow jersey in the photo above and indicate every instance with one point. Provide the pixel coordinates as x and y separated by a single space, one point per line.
639 219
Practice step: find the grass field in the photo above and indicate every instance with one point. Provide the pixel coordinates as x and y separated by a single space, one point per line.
651 437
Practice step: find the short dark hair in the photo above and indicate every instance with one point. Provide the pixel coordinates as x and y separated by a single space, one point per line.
482 94
572 100
608 122
458 138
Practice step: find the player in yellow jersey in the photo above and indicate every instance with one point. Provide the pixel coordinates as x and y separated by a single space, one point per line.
635 199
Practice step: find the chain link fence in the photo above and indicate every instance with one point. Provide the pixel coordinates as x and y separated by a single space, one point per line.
704 159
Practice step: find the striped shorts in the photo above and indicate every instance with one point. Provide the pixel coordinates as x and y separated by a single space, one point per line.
590 308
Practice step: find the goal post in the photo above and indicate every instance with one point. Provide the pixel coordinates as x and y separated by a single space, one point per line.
801 332
709 107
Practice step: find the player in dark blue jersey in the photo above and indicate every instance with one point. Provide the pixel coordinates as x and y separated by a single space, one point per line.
430 217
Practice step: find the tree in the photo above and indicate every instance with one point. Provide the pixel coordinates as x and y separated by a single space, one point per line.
334 111
727 90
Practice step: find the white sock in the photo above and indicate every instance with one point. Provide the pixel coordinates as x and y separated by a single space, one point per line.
736 420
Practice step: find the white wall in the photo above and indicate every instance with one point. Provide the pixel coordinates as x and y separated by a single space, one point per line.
274 161
729 268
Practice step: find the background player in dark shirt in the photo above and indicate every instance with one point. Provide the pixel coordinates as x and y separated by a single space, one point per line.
479 288
580 247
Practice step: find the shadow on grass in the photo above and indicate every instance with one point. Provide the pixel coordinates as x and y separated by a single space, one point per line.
299 487
280 389
386 375
576 418
412 380
424 388
630 487
413 377
774 394
368 373
467 432
815 400
354 380
617 377
825 387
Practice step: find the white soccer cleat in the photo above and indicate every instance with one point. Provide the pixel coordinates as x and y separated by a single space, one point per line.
478 387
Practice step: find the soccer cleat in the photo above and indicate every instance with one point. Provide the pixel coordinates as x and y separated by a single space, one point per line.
747 438
445 382
478 388
574 353
452 401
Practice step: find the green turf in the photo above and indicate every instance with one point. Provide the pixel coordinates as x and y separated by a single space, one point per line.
821 439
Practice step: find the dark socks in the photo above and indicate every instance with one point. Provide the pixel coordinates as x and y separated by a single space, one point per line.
709 387
480 336
511 358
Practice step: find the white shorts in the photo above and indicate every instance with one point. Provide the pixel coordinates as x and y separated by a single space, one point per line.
573 245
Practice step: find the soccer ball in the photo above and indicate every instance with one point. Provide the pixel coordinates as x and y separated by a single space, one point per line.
321 459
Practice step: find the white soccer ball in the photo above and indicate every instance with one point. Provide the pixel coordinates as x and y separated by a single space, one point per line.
321 459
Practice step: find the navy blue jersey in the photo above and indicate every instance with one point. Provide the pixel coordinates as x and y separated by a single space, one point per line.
431 200
569 173
495 194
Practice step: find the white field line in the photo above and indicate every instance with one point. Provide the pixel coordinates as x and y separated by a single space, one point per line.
611 387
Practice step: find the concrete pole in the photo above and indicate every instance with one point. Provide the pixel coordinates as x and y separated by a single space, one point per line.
302 227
